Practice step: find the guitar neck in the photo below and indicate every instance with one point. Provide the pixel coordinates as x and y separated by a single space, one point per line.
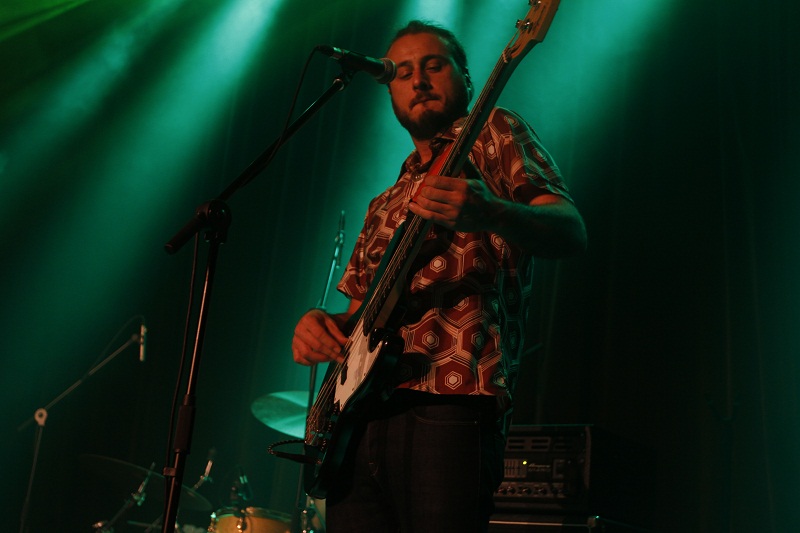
474 122
392 273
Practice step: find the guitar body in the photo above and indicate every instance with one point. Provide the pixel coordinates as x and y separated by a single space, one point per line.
355 386
350 388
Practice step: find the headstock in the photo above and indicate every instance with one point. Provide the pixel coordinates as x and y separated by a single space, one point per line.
532 29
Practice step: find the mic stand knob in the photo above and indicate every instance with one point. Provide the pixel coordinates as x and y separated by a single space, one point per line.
101 527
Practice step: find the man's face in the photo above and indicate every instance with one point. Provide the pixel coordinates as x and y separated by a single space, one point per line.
429 92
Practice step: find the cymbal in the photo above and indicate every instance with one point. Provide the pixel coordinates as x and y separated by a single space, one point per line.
127 477
283 411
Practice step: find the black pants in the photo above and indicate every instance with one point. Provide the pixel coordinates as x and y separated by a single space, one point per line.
423 463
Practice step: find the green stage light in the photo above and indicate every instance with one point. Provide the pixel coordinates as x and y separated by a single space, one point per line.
17 16
126 164
75 92
442 11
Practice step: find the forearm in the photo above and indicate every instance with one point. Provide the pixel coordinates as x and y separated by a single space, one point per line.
342 318
548 227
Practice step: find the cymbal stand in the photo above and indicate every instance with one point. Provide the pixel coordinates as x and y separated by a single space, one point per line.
307 515
204 477
136 498
40 417
308 511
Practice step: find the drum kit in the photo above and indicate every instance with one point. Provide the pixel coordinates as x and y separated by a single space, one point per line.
282 411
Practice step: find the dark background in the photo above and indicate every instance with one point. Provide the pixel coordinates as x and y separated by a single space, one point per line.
677 329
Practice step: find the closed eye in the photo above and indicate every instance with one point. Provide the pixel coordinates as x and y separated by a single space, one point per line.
434 66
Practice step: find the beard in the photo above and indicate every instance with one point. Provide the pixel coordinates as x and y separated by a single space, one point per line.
430 122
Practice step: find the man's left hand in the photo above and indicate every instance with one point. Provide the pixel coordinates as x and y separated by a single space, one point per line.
455 203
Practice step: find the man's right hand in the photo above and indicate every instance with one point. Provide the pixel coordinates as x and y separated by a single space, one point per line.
318 338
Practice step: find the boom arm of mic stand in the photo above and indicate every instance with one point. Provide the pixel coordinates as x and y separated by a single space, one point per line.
40 416
197 222
68 391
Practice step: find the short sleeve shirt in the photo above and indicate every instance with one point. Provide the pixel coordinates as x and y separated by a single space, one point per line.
469 294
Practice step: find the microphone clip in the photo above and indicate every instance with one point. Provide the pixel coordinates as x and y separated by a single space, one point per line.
383 70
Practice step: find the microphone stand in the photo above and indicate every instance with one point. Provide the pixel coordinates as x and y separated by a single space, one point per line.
336 261
40 417
214 217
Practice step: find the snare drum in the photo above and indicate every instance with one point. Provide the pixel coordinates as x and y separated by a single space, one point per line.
249 520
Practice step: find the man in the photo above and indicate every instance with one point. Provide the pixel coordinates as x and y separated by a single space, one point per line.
430 458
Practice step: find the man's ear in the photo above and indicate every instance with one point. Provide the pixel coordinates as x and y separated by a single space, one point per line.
470 86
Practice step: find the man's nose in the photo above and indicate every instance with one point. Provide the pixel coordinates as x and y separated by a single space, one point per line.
421 80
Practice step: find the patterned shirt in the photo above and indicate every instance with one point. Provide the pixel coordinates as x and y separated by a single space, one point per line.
467 303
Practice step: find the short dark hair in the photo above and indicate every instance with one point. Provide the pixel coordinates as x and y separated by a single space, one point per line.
453 44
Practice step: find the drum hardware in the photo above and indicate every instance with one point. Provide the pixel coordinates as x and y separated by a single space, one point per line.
312 516
120 472
139 496
249 520
149 526
40 415
241 494
205 477
136 498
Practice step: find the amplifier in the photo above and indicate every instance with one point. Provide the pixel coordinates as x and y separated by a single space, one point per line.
569 470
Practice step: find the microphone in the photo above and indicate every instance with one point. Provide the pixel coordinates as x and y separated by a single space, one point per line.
139 495
212 453
142 341
340 241
245 491
383 70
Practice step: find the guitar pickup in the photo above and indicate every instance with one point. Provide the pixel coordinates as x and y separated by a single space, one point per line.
377 337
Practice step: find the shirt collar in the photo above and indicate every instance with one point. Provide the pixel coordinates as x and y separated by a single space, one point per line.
412 162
